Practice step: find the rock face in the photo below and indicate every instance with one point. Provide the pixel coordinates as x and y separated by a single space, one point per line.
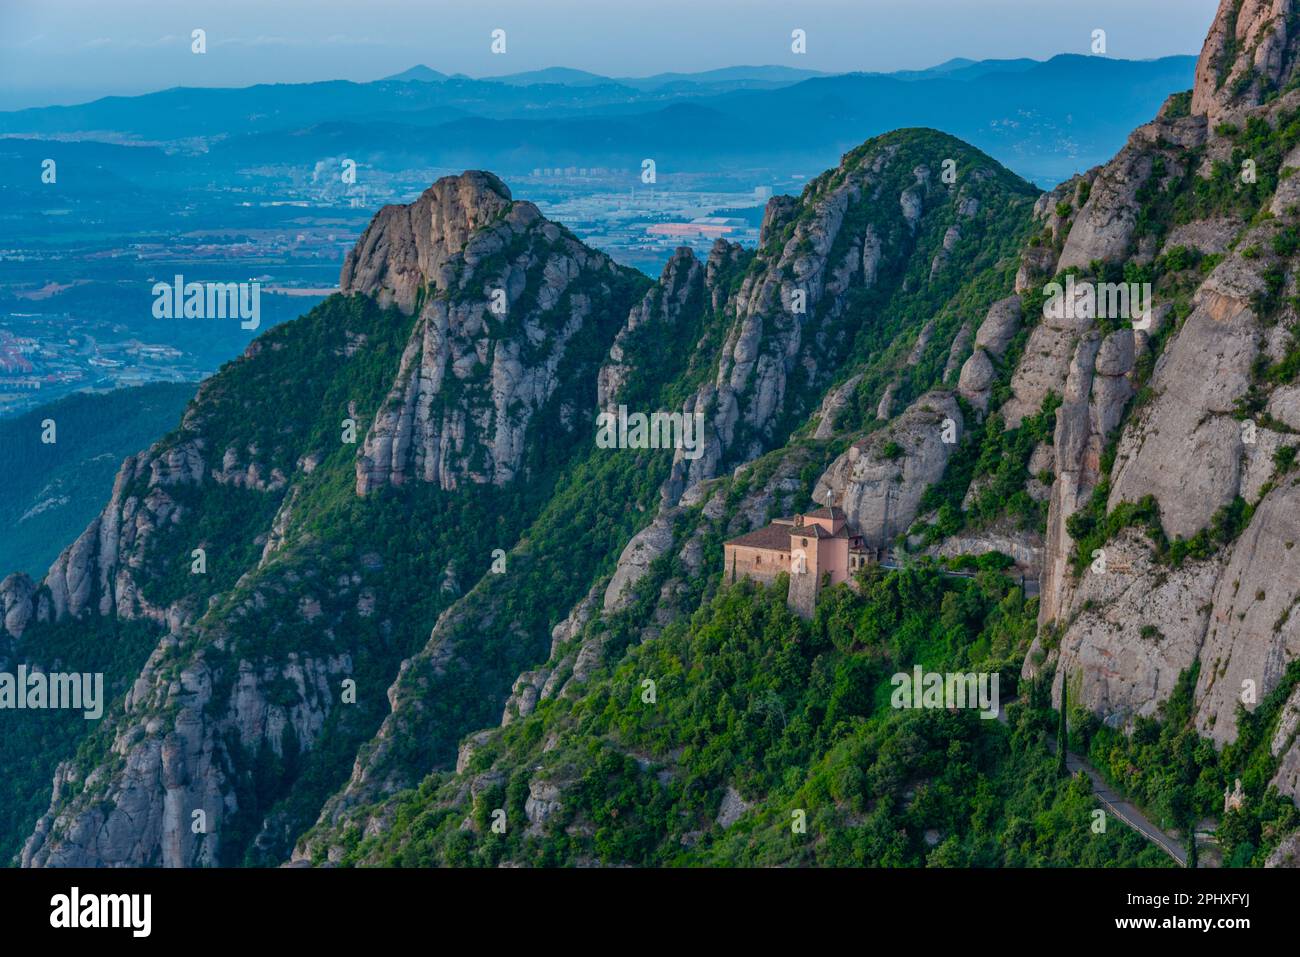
786 319
1044 367
879 480
1096 391
405 249
1038 259
1251 51
98 573
1125 629
957 353
16 606
797 284
650 543
1252 635
1134 629
501 294
995 333
1104 226
175 776
668 305
1199 379
834 403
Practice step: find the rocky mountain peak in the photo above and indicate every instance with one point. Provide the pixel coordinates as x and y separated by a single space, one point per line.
406 247
507 302
1252 50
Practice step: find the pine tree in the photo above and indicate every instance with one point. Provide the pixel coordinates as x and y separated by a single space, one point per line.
1191 843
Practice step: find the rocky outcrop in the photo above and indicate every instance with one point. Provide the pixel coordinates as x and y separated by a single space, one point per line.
995 333
785 317
17 607
98 572
1251 51
500 294
797 286
1132 629
1096 391
832 405
1255 630
1186 448
1208 236
1283 746
1103 228
407 249
167 804
999 326
1038 259
667 305
1287 853
732 809
879 481
1045 364
975 384
647 545
957 353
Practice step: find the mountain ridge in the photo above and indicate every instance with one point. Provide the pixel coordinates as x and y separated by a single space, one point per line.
605 697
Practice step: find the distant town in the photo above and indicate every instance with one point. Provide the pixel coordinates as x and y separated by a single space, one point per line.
75 308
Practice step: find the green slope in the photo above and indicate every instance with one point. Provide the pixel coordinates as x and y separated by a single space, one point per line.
51 492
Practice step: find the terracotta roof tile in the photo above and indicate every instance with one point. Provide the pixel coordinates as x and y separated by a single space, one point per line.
833 512
774 537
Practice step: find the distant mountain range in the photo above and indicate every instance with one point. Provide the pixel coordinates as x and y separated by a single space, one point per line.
566 76
1040 118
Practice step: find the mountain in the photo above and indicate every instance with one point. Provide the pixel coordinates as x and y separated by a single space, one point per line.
1015 116
43 503
564 76
316 417
1033 117
477 423
966 69
1142 471
736 77
384 597
418 73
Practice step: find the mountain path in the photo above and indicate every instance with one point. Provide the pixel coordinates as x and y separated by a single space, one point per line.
1117 806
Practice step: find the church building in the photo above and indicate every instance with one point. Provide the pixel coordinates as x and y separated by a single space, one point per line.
817 549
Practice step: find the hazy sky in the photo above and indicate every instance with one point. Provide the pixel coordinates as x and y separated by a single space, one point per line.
59 51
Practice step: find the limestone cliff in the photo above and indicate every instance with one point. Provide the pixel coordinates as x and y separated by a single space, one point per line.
501 297
1203 440
285 607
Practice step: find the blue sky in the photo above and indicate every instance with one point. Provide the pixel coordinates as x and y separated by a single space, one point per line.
60 51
